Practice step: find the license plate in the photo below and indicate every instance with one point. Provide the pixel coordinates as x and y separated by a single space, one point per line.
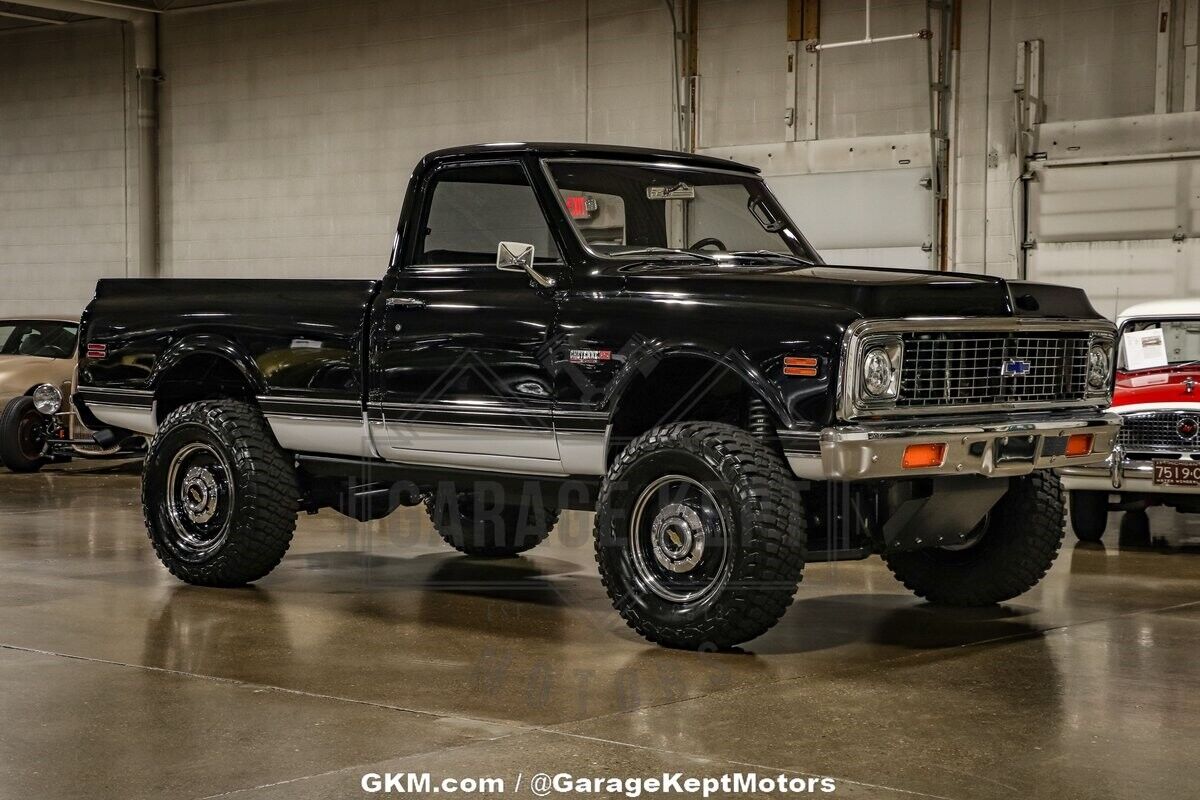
1177 473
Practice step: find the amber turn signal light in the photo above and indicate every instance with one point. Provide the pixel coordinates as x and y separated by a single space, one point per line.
921 456
802 366
1079 444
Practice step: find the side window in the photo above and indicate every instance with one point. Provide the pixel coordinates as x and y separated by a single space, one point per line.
474 208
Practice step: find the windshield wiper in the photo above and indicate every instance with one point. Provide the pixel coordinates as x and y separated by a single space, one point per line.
666 251
774 254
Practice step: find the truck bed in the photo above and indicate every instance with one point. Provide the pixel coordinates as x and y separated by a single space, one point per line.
302 338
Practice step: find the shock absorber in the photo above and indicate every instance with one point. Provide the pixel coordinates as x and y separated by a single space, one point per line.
759 420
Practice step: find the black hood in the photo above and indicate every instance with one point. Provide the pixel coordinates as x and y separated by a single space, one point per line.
864 291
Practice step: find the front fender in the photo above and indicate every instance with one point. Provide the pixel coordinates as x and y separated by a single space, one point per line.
643 361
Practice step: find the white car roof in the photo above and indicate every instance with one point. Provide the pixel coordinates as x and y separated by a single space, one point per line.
1162 309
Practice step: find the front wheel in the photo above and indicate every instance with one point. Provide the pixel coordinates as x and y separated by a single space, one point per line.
1089 515
1011 551
699 535
22 442
219 496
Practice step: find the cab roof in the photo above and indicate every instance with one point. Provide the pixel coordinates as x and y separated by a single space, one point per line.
580 150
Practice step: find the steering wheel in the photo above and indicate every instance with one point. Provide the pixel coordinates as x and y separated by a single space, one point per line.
706 242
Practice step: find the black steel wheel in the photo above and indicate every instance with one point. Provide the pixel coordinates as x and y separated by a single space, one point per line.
1006 556
699 536
1089 515
22 437
219 496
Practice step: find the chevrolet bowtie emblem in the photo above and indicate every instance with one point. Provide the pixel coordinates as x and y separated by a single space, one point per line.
1013 367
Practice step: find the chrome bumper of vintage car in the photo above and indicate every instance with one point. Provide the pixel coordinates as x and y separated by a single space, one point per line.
1119 473
998 447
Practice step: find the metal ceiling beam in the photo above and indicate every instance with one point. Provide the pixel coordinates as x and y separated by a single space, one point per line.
150 9
32 18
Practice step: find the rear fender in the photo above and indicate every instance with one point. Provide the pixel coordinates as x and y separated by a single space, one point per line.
210 345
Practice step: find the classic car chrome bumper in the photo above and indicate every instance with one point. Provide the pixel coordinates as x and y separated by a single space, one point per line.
997 447
1119 473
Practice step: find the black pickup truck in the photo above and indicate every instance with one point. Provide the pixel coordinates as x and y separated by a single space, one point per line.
639 332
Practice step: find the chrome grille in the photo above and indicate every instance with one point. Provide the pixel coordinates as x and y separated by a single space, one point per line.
968 368
1159 431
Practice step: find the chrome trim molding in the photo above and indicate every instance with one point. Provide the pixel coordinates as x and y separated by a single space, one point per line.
139 419
529 441
851 408
133 398
583 452
336 436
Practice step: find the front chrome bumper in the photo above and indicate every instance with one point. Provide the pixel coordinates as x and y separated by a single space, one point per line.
998 447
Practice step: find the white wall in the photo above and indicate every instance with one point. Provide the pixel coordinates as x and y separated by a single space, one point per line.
289 126
62 166
289 129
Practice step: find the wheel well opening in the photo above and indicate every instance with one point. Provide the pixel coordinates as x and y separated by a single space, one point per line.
682 388
200 377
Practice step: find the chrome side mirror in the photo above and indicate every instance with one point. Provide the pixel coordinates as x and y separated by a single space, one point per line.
518 257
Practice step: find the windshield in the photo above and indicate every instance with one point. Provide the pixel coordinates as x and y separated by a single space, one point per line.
1151 344
635 209
35 338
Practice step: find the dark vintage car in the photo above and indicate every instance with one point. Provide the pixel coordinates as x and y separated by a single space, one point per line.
642 333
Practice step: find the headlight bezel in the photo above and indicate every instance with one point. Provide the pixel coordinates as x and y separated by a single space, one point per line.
47 399
1103 346
890 348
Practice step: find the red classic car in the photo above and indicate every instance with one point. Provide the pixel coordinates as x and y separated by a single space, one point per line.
1157 457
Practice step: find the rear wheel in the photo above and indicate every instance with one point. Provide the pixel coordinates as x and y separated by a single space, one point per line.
22 443
218 494
1009 554
1089 515
699 535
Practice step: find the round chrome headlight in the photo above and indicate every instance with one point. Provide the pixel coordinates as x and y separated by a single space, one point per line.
47 399
1098 367
879 376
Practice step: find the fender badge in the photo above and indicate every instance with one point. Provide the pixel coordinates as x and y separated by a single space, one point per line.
589 356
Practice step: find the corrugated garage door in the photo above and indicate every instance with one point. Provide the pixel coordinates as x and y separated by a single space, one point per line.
1124 232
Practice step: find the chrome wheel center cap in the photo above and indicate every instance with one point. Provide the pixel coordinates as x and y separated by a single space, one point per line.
677 538
198 493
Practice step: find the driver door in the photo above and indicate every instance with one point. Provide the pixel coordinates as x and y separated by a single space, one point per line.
460 356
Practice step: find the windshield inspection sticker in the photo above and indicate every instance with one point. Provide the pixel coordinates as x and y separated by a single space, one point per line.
680 191
1145 349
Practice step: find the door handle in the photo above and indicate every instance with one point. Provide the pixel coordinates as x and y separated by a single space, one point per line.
404 302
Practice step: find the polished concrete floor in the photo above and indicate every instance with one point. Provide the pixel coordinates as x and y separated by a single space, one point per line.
374 648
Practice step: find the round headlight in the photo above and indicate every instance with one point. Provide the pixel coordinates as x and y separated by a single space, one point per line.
1097 372
47 399
878 375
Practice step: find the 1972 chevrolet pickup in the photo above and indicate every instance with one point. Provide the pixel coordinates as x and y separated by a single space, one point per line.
643 333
